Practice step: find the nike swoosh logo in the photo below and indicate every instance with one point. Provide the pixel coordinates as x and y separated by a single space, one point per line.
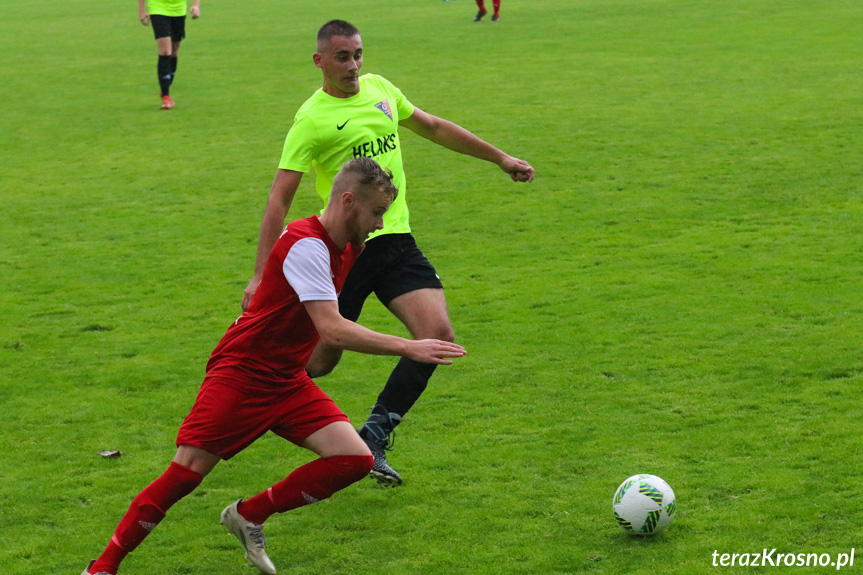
343 125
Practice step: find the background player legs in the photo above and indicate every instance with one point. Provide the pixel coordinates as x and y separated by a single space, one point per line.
165 48
166 68
175 49
482 11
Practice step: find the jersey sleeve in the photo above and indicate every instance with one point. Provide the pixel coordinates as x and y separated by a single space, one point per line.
301 145
307 269
403 106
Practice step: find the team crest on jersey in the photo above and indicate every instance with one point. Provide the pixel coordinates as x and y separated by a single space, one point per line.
385 108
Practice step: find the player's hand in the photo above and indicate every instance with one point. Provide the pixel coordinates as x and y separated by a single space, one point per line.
144 18
434 351
195 12
518 170
250 291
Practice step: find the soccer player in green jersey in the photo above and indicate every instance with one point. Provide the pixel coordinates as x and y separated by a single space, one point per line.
359 116
168 18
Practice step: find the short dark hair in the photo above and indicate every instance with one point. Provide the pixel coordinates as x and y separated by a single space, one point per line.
371 176
336 28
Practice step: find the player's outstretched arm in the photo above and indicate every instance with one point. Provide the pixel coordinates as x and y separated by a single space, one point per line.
339 332
454 137
281 195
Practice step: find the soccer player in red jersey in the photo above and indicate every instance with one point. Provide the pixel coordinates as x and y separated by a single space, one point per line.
482 11
256 379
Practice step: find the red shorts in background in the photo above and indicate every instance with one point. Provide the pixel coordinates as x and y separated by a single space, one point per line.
230 414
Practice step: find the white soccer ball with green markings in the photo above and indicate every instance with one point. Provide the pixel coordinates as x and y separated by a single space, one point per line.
644 504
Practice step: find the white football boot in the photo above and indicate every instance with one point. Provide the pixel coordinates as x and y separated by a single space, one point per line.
251 536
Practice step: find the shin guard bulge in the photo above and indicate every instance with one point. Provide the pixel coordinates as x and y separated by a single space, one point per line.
307 484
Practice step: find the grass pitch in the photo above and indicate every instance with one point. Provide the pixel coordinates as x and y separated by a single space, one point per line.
678 292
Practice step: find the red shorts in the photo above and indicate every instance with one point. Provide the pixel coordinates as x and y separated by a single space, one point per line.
230 414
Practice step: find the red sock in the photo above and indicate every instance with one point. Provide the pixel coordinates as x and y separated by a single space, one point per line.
496 4
146 511
481 5
307 484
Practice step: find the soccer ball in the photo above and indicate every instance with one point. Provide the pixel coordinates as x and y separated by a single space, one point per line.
644 505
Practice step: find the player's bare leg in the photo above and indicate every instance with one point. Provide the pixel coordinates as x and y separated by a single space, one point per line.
324 359
337 438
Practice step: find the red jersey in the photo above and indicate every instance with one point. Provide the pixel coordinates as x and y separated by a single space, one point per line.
273 340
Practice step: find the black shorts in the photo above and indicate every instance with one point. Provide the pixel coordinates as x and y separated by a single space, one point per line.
164 26
390 266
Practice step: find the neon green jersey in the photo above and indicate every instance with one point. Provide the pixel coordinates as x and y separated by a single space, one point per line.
329 131
167 7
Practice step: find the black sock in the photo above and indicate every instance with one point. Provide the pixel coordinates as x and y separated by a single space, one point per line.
165 76
405 385
173 67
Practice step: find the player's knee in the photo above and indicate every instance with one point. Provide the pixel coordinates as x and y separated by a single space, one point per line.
446 333
352 467
317 369
323 361
368 461
435 330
